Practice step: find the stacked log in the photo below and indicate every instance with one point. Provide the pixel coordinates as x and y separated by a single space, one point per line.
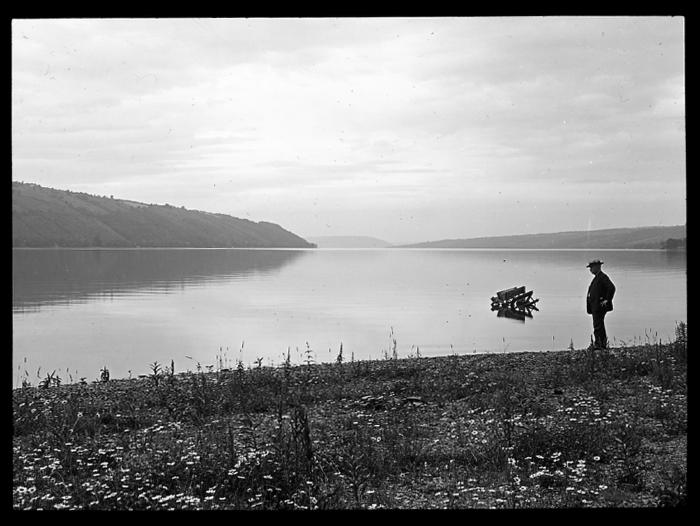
514 303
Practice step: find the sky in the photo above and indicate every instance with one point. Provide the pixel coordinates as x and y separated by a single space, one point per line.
404 129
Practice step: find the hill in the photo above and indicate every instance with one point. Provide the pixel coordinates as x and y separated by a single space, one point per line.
349 242
45 217
641 237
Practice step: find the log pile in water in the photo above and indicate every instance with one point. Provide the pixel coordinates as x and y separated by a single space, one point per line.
514 303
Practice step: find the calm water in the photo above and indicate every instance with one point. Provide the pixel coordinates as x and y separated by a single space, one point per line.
83 309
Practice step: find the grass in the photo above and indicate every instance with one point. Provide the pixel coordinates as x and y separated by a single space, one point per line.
519 430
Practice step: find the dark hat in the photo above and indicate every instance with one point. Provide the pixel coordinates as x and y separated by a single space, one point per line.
594 262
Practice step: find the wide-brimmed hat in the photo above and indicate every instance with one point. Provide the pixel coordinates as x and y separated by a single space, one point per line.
594 262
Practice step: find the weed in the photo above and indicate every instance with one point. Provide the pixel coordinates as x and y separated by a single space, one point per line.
502 430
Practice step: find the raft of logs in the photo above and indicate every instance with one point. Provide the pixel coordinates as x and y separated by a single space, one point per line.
514 303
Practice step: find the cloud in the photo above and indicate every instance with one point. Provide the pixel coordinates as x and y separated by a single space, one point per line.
438 114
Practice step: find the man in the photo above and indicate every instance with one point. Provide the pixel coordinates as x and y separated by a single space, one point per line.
599 302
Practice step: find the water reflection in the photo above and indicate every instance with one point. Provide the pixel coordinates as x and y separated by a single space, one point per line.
515 314
55 276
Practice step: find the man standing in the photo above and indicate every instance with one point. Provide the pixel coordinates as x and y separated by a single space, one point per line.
599 302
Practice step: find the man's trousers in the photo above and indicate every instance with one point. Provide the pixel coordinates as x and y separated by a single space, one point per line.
601 338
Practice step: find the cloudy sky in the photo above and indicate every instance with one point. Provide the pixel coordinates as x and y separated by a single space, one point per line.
399 128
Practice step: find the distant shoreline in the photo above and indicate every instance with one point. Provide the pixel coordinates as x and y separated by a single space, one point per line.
471 249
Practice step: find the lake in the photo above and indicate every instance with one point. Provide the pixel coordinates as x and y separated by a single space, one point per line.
77 310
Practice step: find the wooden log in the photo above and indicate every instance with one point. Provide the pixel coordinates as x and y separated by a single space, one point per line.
524 295
507 294
514 303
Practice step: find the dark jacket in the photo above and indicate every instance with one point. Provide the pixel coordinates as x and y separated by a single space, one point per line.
600 288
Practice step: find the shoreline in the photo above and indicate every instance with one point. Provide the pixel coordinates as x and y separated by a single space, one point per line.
280 366
519 429
474 249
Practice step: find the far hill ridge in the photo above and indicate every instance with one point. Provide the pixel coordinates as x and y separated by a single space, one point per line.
349 242
651 237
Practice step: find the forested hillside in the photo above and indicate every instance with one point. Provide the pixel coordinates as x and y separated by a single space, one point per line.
45 217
